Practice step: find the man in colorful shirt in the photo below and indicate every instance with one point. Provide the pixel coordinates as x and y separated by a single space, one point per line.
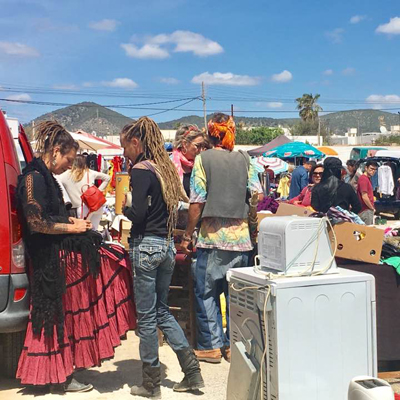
221 182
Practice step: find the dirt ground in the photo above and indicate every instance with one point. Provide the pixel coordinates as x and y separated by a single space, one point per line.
115 377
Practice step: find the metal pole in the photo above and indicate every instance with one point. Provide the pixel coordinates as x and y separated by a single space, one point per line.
398 112
203 96
319 131
232 110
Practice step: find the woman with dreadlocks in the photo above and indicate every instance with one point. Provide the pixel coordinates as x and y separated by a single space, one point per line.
81 290
156 191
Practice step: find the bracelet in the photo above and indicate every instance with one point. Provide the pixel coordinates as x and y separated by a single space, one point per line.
186 238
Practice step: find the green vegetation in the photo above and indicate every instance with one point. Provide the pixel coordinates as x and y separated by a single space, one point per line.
308 107
257 136
388 140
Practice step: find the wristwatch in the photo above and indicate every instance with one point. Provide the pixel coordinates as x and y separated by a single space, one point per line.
186 238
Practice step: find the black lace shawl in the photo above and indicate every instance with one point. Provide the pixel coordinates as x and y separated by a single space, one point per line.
41 206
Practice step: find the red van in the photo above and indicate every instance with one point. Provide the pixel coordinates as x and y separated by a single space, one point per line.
14 299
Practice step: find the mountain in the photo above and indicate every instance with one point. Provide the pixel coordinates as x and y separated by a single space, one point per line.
245 121
94 117
366 120
339 122
88 117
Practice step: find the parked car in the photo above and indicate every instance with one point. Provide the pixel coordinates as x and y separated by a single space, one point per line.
359 153
387 204
14 297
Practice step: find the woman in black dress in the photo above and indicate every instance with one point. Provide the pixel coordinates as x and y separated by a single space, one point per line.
81 290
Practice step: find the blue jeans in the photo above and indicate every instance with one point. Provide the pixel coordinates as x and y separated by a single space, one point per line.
153 261
209 275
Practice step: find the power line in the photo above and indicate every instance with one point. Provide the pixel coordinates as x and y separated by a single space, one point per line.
178 109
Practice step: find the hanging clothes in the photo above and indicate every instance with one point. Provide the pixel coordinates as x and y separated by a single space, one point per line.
385 180
284 187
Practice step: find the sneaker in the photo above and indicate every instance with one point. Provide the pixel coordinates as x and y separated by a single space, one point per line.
226 353
212 356
76 387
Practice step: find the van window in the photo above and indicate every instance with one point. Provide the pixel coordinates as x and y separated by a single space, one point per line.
20 154
355 154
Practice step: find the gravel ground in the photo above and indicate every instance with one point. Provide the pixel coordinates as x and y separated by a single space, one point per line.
115 377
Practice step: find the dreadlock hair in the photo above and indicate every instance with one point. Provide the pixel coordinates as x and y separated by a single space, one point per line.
51 134
148 132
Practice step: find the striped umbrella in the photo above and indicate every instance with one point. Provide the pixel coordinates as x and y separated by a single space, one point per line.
276 164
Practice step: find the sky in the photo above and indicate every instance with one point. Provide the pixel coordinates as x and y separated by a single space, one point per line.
150 57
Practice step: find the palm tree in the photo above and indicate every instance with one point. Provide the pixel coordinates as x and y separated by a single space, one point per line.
309 109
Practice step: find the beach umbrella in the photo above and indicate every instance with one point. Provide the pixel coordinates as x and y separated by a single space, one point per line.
295 150
276 164
328 151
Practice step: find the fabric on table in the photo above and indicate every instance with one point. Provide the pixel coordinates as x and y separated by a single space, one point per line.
387 286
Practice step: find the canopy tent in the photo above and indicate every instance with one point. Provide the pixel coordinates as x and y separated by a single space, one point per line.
276 164
88 143
278 141
295 150
328 151
109 144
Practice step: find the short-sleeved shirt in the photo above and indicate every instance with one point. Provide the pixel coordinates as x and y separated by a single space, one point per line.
365 186
221 233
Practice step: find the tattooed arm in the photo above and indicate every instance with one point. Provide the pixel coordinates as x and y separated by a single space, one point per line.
34 200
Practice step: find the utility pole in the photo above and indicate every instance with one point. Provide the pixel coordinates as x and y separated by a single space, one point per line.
203 96
319 131
398 112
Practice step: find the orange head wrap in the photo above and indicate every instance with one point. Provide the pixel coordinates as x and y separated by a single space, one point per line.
224 131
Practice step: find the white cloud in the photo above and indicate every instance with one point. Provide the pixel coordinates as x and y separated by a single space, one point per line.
378 101
147 51
328 72
65 87
108 25
282 77
219 78
348 71
357 18
18 49
391 28
159 46
380 98
88 84
124 83
274 104
336 35
170 81
187 41
20 97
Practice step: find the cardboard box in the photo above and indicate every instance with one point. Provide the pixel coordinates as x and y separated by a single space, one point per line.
291 209
125 231
358 242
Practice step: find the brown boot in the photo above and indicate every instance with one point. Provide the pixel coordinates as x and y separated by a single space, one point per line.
226 353
212 356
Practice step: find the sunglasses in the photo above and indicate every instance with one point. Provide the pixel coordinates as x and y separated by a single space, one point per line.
318 173
199 145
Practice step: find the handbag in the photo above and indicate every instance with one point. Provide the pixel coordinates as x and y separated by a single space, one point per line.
92 197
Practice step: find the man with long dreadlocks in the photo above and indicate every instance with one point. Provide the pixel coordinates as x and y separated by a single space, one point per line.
156 192
219 193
